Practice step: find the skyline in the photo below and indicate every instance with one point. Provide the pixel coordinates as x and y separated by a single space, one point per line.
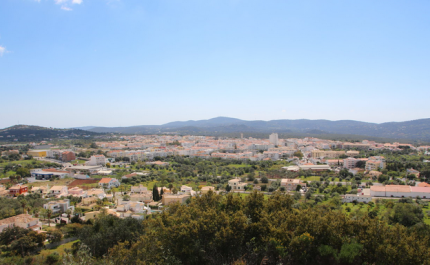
75 63
95 126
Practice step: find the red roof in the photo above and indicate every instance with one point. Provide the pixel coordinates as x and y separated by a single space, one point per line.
105 180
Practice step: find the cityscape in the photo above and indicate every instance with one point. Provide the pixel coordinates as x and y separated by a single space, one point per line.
223 132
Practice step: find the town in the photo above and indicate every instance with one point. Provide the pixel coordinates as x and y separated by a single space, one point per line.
49 188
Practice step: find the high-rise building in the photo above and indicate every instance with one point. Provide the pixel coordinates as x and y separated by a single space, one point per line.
273 138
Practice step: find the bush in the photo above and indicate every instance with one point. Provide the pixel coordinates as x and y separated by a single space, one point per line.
52 258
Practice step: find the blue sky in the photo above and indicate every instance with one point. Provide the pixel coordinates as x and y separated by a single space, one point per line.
66 63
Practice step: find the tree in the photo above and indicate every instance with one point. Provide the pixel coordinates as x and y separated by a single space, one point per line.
23 204
94 145
48 214
228 188
108 231
54 235
155 194
407 214
298 187
161 193
264 179
52 258
299 154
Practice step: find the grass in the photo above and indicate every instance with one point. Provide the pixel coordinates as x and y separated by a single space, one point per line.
312 178
60 249
57 182
239 166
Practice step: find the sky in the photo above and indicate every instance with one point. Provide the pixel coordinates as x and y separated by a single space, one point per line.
70 63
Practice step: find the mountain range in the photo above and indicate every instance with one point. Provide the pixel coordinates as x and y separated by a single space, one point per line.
415 130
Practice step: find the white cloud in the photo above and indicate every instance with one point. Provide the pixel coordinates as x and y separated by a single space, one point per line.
66 8
2 50
77 2
60 1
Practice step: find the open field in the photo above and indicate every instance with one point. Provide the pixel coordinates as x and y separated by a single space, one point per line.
57 182
60 249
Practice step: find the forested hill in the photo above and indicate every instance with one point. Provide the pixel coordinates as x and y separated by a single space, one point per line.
416 130
36 133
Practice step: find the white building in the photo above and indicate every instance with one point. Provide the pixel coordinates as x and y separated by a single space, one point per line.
357 198
109 183
236 184
273 138
96 160
59 206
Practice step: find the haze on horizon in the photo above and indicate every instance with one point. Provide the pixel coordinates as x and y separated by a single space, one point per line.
74 63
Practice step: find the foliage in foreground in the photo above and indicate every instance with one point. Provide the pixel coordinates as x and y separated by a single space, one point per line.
221 230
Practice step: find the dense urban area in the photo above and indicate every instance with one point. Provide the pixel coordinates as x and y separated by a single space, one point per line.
170 199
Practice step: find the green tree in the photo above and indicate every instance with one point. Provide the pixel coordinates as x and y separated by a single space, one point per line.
52 258
54 235
48 214
155 194
407 214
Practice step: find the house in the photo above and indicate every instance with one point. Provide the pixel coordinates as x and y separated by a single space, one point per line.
59 206
47 174
375 163
172 198
129 176
77 192
105 172
400 191
423 184
236 184
291 184
98 193
132 209
206 189
96 160
257 188
357 198
109 183
88 201
187 190
352 153
139 189
17 190
59 191
140 194
413 172
41 190
83 170
68 156
315 168
21 220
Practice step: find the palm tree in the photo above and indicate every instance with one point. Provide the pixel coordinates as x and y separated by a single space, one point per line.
49 213
23 204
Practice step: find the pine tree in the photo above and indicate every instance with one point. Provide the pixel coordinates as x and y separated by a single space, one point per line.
161 193
155 195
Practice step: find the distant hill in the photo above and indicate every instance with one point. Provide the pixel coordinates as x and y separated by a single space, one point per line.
84 127
25 133
416 130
